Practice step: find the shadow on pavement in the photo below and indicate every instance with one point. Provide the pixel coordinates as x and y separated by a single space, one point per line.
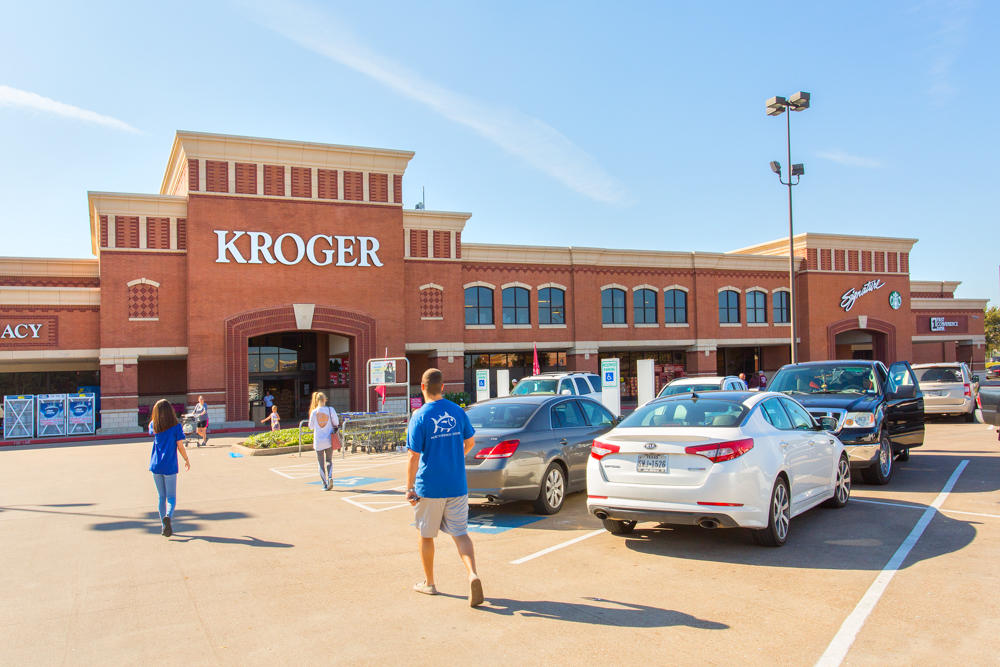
620 615
928 470
857 537
187 521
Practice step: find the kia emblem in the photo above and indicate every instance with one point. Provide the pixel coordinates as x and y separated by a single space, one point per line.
650 445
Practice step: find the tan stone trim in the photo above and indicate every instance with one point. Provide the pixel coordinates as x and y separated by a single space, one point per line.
551 326
729 288
141 353
675 325
130 204
644 286
430 286
142 281
730 324
50 296
144 250
781 289
48 355
480 326
479 283
439 220
677 287
948 304
45 266
945 337
144 319
614 326
934 285
828 241
614 286
556 285
203 145
431 318
646 325
515 326
516 284
756 288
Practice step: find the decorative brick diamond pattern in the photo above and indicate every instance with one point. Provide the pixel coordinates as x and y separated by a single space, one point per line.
143 301
431 302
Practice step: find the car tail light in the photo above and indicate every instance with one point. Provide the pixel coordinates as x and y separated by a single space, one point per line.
968 390
600 449
979 401
501 450
722 451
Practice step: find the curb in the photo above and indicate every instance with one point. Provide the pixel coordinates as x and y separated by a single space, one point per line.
272 451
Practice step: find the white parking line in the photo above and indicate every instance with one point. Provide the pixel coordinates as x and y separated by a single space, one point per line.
567 543
844 639
943 510
373 505
302 470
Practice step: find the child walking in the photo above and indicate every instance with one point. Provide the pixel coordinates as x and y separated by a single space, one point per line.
323 422
274 417
168 441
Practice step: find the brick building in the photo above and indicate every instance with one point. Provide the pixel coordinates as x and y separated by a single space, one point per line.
283 265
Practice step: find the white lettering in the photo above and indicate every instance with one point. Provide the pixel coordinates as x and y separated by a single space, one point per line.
19 328
227 246
369 248
260 243
848 298
345 247
8 332
311 250
300 249
35 328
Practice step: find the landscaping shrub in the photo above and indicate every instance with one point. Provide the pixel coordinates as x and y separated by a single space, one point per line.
281 438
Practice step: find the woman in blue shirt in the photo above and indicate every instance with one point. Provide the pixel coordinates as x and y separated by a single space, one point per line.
168 440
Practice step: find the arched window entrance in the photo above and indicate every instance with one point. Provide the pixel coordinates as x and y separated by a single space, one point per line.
862 338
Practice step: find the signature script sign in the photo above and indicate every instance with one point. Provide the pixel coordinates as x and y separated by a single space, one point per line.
850 296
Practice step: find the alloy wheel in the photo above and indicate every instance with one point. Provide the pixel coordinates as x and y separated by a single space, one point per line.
885 457
843 481
554 487
780 510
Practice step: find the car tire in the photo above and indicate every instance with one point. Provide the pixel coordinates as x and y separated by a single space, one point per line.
552 493
970 416
779 515
903 455
880 472
842 485
616 527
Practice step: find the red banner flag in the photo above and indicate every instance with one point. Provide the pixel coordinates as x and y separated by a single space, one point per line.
535 368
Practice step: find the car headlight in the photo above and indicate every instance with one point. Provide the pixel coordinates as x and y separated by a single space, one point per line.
859 420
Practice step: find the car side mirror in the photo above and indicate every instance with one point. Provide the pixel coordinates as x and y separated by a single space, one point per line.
828 423
904 391
566 392
619 419
975 379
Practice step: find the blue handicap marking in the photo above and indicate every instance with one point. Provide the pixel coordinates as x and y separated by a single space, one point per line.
235 455
493 523
609 377
350 482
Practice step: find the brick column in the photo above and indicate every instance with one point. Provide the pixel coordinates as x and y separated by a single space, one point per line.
581 363
119 395
451 363
701 360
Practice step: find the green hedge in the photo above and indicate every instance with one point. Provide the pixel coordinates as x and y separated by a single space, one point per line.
282 438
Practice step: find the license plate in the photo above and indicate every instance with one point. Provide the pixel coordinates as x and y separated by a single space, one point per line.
652 463
933 393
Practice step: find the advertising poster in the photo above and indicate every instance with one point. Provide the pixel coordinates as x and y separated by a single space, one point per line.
382 371
51 410
80 414
18 417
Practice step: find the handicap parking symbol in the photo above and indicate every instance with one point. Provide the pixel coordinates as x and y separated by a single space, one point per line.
493 524
351 482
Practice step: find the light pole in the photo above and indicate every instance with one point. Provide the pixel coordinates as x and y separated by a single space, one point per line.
775 107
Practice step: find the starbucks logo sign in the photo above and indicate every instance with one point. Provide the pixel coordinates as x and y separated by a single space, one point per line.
895 300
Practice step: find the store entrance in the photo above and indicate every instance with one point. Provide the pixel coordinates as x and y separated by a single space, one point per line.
284 365
861 344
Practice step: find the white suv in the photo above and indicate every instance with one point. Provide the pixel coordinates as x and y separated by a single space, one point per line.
560 384
686 385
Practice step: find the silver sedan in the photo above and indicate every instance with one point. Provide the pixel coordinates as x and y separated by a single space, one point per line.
533 448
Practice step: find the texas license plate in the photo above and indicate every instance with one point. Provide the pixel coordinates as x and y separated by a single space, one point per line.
652 463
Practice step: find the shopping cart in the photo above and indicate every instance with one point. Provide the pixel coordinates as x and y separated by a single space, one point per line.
189 424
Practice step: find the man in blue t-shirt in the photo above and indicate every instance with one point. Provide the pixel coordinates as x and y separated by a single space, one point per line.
438 438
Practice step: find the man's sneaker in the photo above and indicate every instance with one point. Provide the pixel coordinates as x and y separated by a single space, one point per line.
475 592
425 588
167 529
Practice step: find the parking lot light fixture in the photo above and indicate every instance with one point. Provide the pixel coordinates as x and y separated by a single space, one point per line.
775 107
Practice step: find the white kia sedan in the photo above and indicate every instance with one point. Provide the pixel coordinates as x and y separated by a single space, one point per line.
717 460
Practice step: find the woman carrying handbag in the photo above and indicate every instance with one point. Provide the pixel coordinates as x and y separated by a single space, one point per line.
323 422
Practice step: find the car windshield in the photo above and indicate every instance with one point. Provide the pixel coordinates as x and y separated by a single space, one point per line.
673 389
500 415
535 386
826 379
937 374
686 411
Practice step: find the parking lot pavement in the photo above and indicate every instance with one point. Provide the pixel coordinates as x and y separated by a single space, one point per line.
265 568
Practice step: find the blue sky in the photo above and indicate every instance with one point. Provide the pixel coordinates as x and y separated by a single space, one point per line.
630 125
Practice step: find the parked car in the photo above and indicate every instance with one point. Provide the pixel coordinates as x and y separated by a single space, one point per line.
533 447
949 388
703 383
879 411
560 384
988 400
722 459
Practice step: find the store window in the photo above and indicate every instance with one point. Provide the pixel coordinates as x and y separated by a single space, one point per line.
613 306
729 307
644 306
515 306
517 363
780 308
756 307
667 365
675 307
478 305
551 306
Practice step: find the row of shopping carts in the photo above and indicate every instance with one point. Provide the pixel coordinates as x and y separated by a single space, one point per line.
370 432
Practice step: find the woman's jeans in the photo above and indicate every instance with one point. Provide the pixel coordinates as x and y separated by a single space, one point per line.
166 487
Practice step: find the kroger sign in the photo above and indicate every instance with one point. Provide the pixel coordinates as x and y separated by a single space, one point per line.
290 249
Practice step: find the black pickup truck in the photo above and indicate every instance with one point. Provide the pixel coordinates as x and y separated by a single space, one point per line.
879 410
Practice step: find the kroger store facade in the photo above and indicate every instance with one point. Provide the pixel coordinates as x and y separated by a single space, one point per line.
285 266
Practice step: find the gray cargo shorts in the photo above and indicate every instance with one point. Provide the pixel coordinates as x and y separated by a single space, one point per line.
450 515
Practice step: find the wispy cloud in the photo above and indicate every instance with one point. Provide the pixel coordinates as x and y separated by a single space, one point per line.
529 138
846 159
951 20
13 97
